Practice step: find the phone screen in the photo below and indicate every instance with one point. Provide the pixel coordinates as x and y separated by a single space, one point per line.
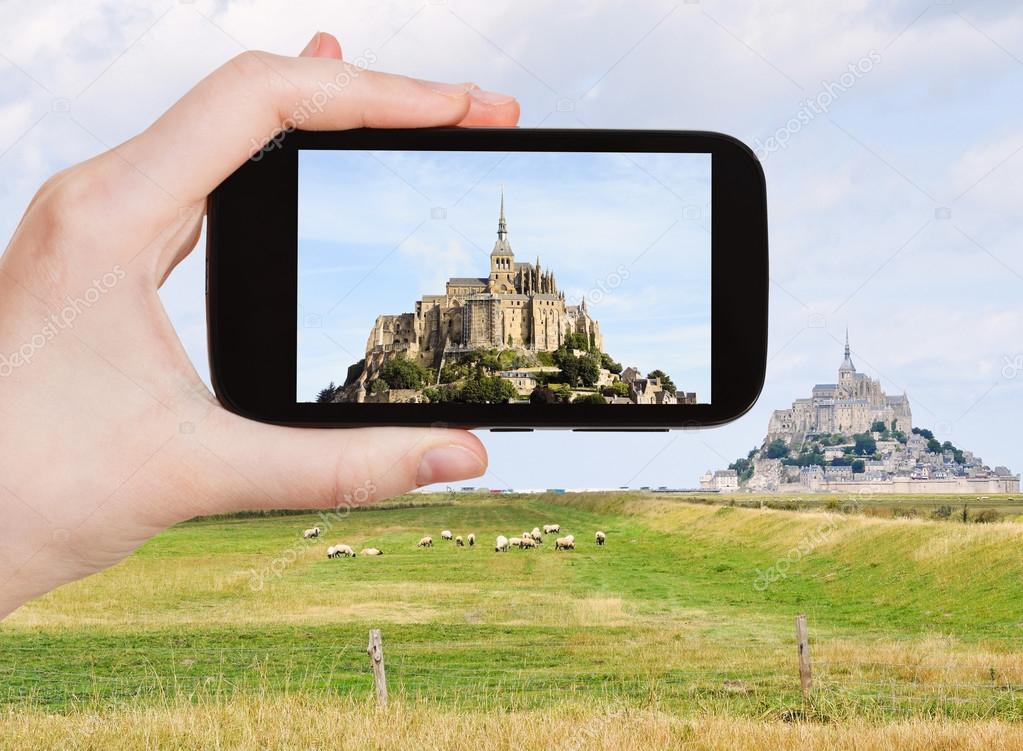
504 278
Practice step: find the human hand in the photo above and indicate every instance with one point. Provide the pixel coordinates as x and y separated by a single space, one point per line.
109 435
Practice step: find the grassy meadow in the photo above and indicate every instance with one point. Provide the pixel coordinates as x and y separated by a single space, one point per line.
237 633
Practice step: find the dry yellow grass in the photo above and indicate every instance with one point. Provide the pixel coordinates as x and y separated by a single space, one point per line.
306 723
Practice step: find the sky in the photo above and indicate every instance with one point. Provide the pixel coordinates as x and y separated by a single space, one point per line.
890 132
630 233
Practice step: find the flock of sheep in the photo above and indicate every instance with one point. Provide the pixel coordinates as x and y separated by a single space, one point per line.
501 545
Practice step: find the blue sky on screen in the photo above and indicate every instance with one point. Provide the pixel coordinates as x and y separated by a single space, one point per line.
630 232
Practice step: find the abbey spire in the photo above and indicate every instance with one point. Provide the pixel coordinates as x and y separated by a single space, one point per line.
502 225
847 364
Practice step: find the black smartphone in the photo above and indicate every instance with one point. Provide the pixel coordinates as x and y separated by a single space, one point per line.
511 279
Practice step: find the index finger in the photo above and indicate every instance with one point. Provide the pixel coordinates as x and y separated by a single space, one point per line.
232 113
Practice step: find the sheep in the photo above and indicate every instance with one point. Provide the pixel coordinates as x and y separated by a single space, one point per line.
528 542
600 538
570 538
551 528
515 542
564 543
536 536
426 542
459 542
472 539
340 551
446 534
501 544
311 533
372 551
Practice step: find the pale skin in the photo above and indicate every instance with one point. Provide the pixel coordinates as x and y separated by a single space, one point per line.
109 435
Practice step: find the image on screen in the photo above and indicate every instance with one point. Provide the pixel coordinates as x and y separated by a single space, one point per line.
522 278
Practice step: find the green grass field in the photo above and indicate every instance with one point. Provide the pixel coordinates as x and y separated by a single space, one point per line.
686 612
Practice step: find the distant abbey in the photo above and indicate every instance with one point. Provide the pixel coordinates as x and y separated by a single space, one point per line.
850 406
518 306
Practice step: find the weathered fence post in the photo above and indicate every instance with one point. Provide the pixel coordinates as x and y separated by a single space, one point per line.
803 646
376 661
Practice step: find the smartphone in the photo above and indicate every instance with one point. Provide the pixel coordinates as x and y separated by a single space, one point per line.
510 279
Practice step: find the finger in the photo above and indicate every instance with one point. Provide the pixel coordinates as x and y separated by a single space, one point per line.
230 115
278 467
322 45
490 109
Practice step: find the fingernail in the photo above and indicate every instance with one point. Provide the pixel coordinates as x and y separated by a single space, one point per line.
490 97
447 463
312 47
456 90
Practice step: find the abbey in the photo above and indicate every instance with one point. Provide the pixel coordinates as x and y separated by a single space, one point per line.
850 406
518 306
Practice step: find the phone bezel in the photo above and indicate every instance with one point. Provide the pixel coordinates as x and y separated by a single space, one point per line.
252 273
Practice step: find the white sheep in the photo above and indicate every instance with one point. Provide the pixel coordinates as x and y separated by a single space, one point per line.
600 538
501 544
472 539
528 542
372 551
536 536
459 542
426 542
446 534
570 538
549 529
311 533
516 542
564 543
340 551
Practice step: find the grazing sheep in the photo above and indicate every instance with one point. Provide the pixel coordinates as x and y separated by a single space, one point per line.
570 538
535 534
459 542
311 533
515 542
501 545
549 529
472 539
340 551
564 543
331 551
600 538
446 534
372 551
426 542
528 542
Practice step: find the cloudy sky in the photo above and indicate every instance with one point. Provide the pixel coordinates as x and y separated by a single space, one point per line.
890 132
379 230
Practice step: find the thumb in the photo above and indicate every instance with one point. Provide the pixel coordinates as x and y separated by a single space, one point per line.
277 467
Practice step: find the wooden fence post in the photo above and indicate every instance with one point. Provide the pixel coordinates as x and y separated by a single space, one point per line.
803 646
376 661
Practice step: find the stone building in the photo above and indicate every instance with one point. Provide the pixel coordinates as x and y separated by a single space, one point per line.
850 406
517 306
